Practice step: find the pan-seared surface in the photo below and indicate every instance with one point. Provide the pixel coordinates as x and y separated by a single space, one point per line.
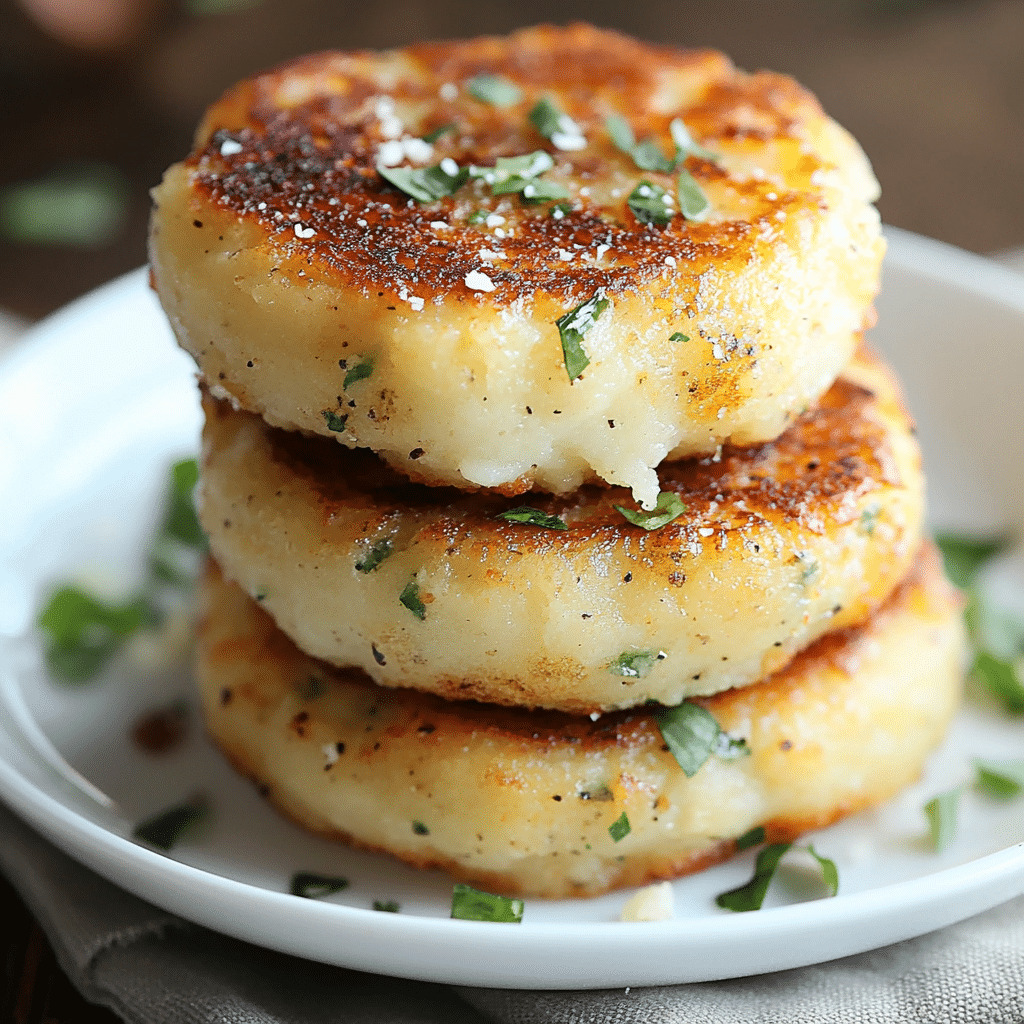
285 260
429 588
521 802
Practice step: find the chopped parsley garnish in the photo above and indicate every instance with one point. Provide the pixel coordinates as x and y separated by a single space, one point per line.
619 828
438 132
669 506
521 174
424 184
387 906
559 210
650 204
963 557
375 554
829 871
728 747
1001 779
312 886
620 131
478 217
691 734
1000 678
166 828
635 664
539 190
420 829
335 421
469 904
548 119
495 90
410 597
941 812
571 329
755 837
360 371
180 520
646 155
751 896
693 204
533 517
869 520
679 336
84 633
685 146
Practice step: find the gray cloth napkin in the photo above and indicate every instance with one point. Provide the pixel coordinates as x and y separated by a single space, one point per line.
151 967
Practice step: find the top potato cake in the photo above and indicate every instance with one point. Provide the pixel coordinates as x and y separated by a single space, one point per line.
520 262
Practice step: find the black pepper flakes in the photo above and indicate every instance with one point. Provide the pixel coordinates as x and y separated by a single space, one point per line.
377 656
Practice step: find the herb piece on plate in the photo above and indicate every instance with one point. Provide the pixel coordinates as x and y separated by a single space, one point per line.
751 895
312 886
83 633
469 904
1000 779
941 812
164 830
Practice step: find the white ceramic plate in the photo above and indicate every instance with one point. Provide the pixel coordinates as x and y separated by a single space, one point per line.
95 405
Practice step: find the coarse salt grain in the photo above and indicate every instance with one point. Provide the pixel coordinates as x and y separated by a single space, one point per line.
229 147
479 281
303 232
449 166
568 143
448 92
494 219
419 151
330 752
391 153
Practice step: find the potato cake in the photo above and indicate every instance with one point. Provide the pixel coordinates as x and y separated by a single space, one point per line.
518 263
544 804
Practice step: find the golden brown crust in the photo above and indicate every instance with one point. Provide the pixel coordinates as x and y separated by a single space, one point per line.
521 801
315 161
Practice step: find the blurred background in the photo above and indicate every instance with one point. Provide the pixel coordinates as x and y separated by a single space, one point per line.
99 96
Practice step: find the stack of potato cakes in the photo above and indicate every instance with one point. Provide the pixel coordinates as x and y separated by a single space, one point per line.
564 530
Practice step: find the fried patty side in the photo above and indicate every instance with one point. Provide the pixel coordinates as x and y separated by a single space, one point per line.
432 589
521 802
285 259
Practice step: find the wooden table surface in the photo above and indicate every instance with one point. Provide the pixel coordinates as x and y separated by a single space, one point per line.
934 90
